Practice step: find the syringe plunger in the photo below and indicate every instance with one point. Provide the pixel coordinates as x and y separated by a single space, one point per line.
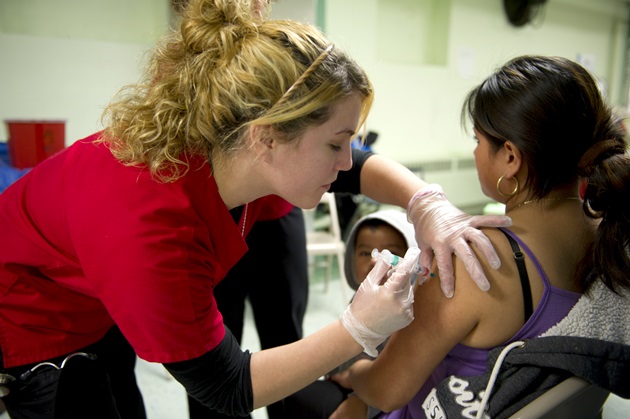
387 256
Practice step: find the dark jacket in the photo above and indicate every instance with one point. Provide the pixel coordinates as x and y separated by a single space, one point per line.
529 371
591 342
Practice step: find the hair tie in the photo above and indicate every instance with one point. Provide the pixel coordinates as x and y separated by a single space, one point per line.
589 158
322 56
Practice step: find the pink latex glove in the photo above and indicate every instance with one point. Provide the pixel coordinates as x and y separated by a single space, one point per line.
378 310
442 229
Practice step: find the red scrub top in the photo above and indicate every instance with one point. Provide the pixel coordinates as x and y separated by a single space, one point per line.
86 242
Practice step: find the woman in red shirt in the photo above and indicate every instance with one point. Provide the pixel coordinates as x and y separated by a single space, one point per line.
122 236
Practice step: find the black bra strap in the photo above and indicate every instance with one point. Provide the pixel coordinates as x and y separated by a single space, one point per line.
522 273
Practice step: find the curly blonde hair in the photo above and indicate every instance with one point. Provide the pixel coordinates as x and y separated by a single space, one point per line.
223 71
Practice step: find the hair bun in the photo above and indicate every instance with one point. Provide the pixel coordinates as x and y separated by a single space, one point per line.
217 26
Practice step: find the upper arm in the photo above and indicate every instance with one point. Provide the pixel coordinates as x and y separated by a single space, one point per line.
413 353
472 317
387 181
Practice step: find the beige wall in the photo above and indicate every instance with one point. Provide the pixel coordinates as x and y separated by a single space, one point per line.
417 105
124 21
64 59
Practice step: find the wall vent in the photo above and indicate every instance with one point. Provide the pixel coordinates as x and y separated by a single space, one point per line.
463 164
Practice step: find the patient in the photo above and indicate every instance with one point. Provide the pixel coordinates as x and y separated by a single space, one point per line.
551 150
384 229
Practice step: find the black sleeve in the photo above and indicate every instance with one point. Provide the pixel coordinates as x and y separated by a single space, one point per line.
219 379
350 181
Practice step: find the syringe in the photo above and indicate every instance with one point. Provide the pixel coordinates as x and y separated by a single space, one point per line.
387 256
393 260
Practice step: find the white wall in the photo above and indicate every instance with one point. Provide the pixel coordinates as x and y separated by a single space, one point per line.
65 59
300 10
135 21
59 60
62 79
417 107
418 99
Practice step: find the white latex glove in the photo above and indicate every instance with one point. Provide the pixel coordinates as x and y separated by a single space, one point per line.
442 229
378 310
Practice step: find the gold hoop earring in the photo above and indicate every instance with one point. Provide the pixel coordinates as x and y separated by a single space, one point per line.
514 191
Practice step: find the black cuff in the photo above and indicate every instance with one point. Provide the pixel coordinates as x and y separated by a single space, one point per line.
219 379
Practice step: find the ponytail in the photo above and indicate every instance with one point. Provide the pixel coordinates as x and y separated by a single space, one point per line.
606 168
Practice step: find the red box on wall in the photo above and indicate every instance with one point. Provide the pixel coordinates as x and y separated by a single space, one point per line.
31 142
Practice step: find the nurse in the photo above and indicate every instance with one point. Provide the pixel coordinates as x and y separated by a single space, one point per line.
112 247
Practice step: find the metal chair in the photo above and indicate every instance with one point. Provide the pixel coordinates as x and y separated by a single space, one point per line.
573 398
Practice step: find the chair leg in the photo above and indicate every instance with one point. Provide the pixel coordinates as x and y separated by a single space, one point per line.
342 274
328 272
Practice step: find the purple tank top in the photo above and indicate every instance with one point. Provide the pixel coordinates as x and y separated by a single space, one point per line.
463 360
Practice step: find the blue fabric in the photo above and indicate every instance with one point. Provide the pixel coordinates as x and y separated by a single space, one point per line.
8 174
4 155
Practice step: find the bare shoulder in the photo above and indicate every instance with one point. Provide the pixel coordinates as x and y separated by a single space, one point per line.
498 311
463 281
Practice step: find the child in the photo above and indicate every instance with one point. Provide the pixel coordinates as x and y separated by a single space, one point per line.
385 229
